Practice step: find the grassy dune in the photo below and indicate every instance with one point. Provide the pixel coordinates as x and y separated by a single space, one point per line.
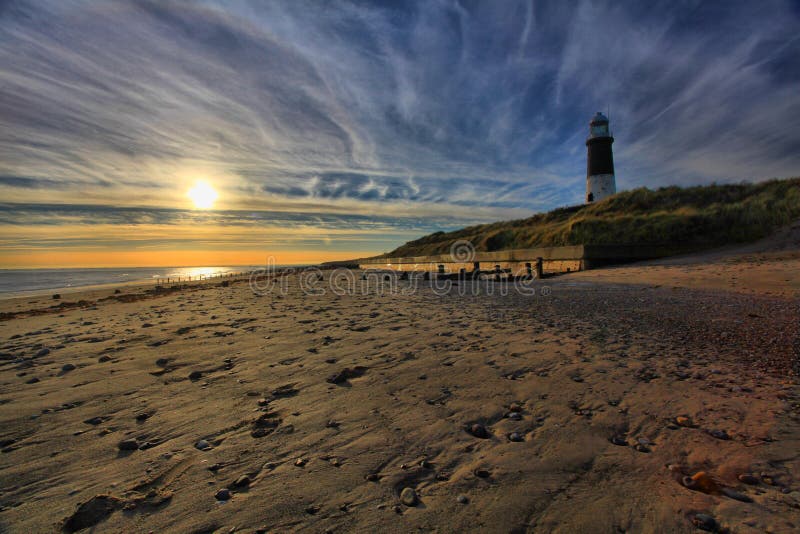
701 217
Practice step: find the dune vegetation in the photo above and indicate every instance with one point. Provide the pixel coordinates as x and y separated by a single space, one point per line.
698 217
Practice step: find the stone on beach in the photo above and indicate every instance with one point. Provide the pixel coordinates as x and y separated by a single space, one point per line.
128 445
747 478
478 430
408 496
705 522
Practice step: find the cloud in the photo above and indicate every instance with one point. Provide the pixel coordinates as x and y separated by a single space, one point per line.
458 110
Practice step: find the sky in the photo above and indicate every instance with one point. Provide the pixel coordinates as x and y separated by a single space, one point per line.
334 129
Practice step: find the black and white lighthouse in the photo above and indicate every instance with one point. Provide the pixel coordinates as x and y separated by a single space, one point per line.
600 181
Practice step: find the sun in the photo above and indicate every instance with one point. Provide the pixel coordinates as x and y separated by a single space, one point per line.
203 195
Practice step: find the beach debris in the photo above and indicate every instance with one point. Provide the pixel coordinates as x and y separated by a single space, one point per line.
143 416
263 402
333 424
408 497
195 375
32 380
478 430
94 421
684 421
619 440
514 416
300 462
67 367
515 436
515 407
462 499
242 482
372 477
104 358
223 495
162 362
312 509
202 445
425 464
705 522
128 445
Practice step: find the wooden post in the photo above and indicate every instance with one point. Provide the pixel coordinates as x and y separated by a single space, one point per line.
539 268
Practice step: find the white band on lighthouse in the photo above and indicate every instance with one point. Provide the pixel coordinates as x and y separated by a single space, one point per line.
600 186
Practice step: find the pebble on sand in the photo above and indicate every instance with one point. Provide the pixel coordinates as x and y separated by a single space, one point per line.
719 434
223 495
67 367
242 481
747 478
202 445
733 494
705 522
195 375
128 445
478 430
408 496
462 499
481 472
515 436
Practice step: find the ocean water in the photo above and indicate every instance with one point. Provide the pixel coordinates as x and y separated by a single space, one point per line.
31 281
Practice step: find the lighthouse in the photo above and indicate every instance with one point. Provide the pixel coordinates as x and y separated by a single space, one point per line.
600 181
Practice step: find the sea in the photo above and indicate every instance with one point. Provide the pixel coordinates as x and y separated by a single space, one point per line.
18 282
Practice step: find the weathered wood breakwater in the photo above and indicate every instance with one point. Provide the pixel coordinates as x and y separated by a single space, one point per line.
521 262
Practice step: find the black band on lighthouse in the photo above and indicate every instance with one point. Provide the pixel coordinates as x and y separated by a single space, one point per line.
600 159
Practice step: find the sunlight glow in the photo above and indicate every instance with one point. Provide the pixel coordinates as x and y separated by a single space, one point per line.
203 195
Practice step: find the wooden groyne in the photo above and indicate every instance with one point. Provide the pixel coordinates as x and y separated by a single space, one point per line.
524 262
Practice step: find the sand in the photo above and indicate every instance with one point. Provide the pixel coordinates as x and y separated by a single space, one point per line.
317 411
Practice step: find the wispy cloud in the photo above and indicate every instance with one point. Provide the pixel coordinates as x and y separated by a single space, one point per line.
448 110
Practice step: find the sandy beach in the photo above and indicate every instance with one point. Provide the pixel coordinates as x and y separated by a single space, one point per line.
580 408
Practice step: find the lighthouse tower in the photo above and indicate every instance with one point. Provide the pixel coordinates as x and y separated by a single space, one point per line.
600 181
